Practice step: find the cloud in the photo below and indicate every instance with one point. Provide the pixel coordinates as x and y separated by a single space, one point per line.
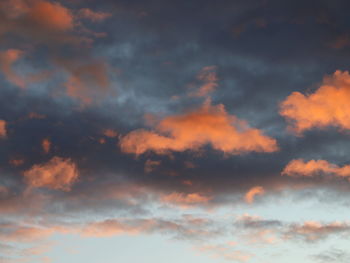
7 59
259 230
299 167
41 21
327 106
150 165
3 131
87 80
113 227
226 252
332 255
110 133
46 145
184 228
58 174
23 233
209 80
50 15
312 231
250 195
192 130
185 200
255 222
92 15
340 42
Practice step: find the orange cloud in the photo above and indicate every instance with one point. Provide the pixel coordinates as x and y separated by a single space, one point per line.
58 174
3 131
188 227
23 233
51 15
87 13
210 81
43 21
254 191
110 133
185 200
327 106
312 168
46 145
192 130
314 231
112 227
7 59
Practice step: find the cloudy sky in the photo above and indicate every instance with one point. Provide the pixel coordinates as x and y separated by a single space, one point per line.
174 131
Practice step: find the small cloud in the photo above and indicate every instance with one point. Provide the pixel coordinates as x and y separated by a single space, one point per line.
312 168
3 131
87 13
46 145
327 106
110 133
150 165
58 174
7 59
254 191
185 200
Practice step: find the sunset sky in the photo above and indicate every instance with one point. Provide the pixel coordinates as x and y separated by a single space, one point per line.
135 131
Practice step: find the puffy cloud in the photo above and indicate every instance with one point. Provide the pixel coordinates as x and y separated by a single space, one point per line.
250 195
312 168
192 130
58 173
92 15
7 59
3 131
327 106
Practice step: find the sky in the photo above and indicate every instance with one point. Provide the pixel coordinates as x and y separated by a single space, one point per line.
174 131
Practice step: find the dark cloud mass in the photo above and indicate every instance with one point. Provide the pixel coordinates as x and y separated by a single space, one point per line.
111 108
